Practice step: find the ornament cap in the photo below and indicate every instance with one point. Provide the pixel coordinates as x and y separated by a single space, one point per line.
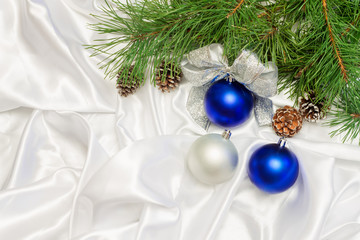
226 134
282 142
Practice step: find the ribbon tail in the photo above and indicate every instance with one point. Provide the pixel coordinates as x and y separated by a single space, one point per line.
263 111
195 104
265 85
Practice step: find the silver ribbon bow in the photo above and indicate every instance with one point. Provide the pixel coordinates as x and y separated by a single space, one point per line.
203 66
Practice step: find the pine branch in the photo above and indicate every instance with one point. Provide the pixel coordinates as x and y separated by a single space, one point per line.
332 39
269 34
322 51
355 115
235 9
326 58
315 44
346 117
303 70
351 26
157 31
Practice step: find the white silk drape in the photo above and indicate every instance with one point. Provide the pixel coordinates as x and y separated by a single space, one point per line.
78 162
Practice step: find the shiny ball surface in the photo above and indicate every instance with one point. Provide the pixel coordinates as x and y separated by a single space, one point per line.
228 104
273 168
212 159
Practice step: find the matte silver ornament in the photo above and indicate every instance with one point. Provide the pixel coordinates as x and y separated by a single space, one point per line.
213 158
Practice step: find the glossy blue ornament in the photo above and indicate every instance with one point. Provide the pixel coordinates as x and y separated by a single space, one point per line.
228 104
273 168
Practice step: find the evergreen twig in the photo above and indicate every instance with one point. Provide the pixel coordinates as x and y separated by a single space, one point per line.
315 43
161 30
235 9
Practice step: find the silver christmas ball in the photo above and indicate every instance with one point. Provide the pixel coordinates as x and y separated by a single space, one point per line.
213 158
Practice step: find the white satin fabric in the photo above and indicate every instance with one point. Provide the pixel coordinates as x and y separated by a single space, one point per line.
80 163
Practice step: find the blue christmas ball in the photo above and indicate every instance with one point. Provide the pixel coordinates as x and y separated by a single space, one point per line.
228 104
273 168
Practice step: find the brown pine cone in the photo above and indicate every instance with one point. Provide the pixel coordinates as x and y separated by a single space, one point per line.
165 80
311 110
130 86
287 121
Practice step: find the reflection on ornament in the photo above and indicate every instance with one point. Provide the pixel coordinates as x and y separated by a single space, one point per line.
273 168
213 158
228 103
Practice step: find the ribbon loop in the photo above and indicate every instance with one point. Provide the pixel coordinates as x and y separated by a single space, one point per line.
205 65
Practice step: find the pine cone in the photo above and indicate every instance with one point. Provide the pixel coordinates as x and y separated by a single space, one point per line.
168 82
131 85
287 121
311 110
